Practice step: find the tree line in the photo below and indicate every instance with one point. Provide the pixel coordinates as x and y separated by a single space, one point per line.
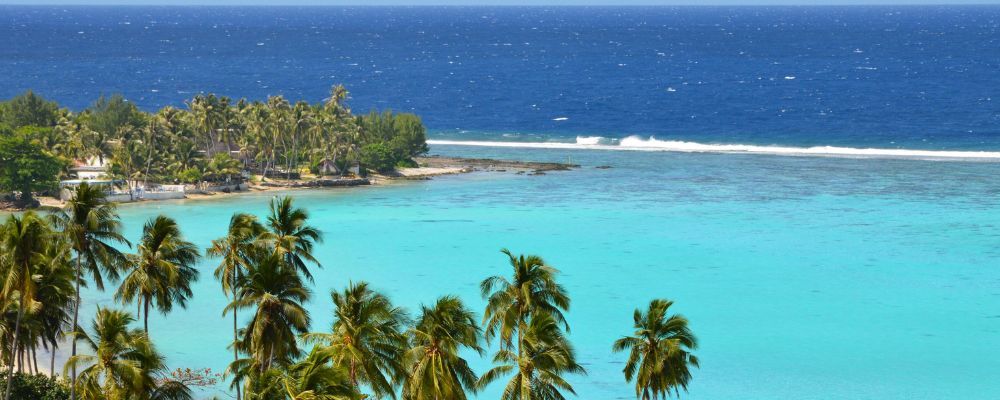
211 138
373 349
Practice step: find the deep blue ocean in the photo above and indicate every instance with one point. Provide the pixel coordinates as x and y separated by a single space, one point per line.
869 274
887 77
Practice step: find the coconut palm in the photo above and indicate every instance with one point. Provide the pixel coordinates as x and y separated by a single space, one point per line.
57 296
206 118
537 369
436 370
511 303
276 294
124 363
315 378
293 238
23 241
366 338
659 352
92 225
237 250
161 272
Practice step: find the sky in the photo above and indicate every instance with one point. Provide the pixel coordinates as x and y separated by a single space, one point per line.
490 2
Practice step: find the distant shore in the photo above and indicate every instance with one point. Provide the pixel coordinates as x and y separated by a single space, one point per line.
428 167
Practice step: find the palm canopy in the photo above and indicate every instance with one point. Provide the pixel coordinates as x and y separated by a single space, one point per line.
537 369
23 243
241 246
292 237
124 364
162 271
237 249
531 290
366 338
276 295
435 369
93 227
659 352
56 293
316 378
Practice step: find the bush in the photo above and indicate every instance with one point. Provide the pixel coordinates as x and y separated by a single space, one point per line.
406 163
190 175
26 167
36 387
377 156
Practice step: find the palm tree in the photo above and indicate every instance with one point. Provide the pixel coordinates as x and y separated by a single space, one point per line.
511 303
544 356
162 271
436 371
530 305
93 228
206 118
56 294
293 238
23 241
237 250
124 364
278 125
659 352
315 378
276 294
366 338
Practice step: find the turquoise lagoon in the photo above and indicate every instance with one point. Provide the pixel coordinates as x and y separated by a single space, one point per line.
804 277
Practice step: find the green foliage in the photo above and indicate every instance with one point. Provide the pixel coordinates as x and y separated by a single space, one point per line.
114 115
378 156
26 167
28 109
160 275
222 166
410 137
216 135
36 387
659 352
190 175
402 135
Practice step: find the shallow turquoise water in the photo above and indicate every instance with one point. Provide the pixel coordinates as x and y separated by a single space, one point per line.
806 278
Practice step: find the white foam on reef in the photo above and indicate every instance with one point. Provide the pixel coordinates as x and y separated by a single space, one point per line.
636 143
588 140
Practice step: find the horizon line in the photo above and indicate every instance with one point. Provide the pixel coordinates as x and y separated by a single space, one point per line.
526 5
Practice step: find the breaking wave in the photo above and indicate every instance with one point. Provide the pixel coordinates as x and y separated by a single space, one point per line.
637 143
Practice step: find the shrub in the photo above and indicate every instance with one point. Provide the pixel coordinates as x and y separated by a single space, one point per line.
377 156
36 387
190 175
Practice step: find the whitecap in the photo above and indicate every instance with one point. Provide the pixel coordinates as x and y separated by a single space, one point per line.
589 140
560 118
637 143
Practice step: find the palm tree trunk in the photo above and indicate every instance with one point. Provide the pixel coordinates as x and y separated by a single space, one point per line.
52 363
34 357
145 318
76 316
17 334
236 351
145 175
525 378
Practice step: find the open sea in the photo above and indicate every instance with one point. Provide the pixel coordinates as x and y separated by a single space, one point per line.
818 190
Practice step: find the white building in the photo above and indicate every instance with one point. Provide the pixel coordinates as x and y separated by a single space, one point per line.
92 168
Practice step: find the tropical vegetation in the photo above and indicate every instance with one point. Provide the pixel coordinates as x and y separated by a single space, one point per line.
211 138
372 349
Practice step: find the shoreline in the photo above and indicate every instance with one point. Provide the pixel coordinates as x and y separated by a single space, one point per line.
428 168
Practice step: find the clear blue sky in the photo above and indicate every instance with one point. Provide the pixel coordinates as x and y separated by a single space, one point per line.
491 2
